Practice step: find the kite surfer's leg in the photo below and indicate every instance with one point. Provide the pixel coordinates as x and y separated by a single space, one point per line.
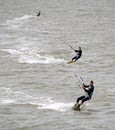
84 100
79 99
74 58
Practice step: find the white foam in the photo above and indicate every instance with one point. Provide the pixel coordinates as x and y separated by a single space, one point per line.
45 60
9 96
17 22
49 59
4 96
26 56
6 101
58 106
11 51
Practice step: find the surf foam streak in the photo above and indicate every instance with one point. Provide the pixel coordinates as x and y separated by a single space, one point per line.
18 22
58 106
4 96
17 97
6 101
40 59
9 96
27 56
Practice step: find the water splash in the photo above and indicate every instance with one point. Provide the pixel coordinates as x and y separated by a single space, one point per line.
32 57
9 96
58 106
17 22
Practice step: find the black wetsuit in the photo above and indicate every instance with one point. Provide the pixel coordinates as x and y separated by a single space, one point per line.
89 92
38 13
79 53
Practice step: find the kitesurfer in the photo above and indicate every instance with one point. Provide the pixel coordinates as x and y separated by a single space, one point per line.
78 54
38 14
89 92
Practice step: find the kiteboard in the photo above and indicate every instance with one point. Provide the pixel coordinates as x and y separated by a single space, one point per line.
69 62
76 108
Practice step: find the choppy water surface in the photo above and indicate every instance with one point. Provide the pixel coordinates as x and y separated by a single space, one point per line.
37 87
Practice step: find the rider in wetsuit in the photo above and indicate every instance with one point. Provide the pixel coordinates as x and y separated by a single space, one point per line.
38 14
78 55
89 92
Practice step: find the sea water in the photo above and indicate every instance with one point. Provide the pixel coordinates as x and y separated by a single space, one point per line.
37 86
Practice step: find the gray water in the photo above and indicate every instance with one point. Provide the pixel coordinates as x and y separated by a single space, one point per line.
37 86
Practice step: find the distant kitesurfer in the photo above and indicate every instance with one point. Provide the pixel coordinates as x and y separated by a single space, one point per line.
38 14
89 92
78 54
